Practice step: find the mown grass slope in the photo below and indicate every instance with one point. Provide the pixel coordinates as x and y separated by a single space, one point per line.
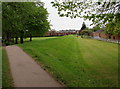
0 66
75 61
6 74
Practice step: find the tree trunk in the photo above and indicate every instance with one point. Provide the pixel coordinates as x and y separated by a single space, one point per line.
30 37
21 38
16 40
7 42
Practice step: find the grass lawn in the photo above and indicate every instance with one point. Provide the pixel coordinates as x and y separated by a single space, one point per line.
6 75
77 62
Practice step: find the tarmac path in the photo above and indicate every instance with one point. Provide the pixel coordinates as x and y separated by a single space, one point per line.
26 72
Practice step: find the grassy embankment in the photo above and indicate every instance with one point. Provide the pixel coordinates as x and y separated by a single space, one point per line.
6 75
77 62
0 66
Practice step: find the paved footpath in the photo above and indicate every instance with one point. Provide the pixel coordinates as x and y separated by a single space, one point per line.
26 72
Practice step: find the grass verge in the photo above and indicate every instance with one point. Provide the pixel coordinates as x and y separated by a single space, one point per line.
0 66
6 75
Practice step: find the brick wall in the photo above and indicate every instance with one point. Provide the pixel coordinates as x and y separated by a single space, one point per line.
59 33
95 34
115 37
105 36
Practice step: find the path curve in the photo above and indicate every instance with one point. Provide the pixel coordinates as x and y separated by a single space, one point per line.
26 72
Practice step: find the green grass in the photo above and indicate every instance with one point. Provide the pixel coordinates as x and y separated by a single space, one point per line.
77 62
6 75
0 66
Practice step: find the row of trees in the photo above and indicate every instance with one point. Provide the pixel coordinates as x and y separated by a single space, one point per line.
23 19
103 13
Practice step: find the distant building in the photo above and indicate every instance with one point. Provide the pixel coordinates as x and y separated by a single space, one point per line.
61 32
99 34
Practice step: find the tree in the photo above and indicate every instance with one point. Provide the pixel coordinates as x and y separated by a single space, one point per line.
113 28
100 13
95 28
84 30
7 25
83 26
92 10
21 18
37 23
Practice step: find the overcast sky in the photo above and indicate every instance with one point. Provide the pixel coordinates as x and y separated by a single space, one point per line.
62 23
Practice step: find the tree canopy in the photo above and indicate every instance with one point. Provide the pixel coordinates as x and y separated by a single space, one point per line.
20 19
100 12
83 26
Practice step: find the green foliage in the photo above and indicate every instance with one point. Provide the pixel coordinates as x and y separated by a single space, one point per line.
21 16
113 27
84 30
85 33
95 28
83 26
77 62
91 10
100 12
